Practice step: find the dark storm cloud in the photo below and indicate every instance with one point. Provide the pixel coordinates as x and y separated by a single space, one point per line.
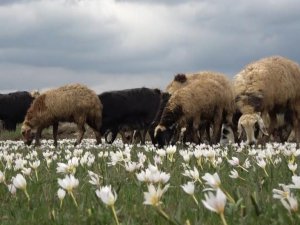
91 41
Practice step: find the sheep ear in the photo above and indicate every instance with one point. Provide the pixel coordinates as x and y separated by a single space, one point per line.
159 128
262 127
181 78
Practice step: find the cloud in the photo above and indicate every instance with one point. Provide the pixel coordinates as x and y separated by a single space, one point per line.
84 40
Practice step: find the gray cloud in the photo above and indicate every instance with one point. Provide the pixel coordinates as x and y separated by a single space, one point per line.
136 43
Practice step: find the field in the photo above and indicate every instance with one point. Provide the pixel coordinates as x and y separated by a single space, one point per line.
134 185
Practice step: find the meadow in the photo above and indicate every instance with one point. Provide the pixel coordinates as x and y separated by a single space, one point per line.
134 185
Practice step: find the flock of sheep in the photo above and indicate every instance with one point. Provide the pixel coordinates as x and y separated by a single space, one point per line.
260 104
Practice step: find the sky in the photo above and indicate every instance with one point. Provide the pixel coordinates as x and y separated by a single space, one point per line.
119 44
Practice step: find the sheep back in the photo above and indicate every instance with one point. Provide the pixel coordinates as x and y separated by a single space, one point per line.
200 97
65 104
267 83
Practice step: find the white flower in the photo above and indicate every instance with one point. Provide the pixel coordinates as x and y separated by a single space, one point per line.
290 203
234 174
212 180
194 174
280 194
234 161
106 195
186 155
130 166
69 168
261 163
171 149
296 182
2 177
292 167
68 183
189 188
61 194
153 196
94 178
20 182
12 189
26 171
35 164
161 152
215 203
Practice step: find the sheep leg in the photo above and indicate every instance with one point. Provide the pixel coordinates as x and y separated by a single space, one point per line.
38 136
217 125
55 131
143 136
95 127
80 125
196 123
296 125
97 136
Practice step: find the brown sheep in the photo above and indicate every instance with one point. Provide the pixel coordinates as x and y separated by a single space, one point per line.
201 100
265 88
183 80
69 103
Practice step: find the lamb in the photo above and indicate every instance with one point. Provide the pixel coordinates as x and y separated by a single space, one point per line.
69 103
182 80
264 89
201 100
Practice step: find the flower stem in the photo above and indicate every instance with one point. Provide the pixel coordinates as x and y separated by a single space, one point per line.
115 214
223 218
243 168
27 195
228 195
74 200
195 200
163 214
266 172
36 175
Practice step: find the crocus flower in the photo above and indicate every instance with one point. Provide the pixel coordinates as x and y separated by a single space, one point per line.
216 203
69 183
212 180
61 193
189 188
107 196
20 182
290 203
153 196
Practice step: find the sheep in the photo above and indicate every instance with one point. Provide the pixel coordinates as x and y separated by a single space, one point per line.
182 80
69 103
264 89
203 99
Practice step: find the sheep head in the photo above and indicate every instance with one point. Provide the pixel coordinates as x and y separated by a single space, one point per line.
162 135
251 124
27 133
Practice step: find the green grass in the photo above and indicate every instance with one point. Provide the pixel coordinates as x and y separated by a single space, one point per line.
253 196
11 135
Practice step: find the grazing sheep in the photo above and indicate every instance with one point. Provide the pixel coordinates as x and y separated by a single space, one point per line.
183 80
69 103
201 100
264 89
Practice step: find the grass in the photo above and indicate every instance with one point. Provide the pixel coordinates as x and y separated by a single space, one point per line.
253 204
